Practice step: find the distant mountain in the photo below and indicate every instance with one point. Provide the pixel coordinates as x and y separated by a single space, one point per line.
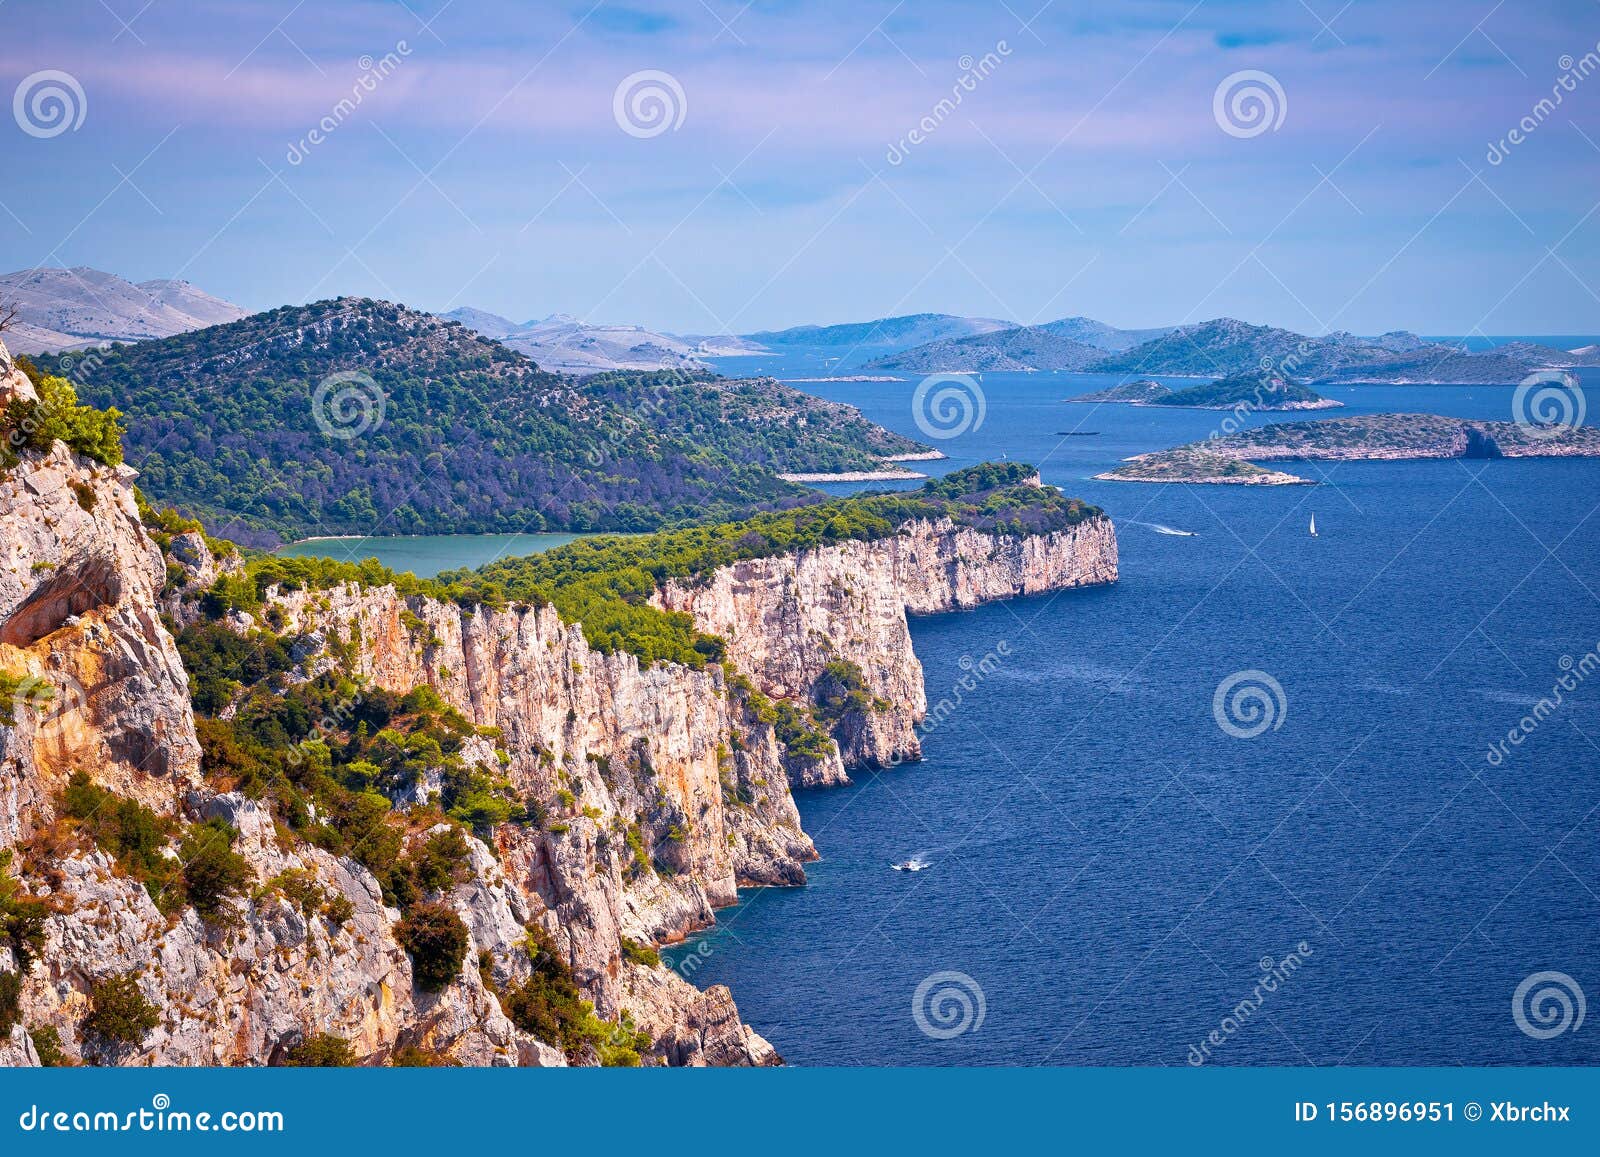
361 417
64 308
1226 347
1073 343
1103 336
886 334
561 343
1020 349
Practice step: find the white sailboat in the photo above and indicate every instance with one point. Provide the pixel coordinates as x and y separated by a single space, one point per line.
1313 526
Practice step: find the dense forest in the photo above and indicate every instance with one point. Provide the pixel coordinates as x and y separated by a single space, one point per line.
427 428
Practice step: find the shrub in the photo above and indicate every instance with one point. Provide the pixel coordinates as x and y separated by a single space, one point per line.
437 941
47 1043
130 833
412 1057
322 1051
119 1010
10 1001
21 918
640 953
212 871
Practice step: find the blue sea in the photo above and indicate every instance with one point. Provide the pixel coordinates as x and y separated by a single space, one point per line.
1116 879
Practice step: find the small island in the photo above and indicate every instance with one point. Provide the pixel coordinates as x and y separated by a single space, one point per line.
1371 437
1241 392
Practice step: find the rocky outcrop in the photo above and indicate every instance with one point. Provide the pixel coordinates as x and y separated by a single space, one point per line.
101 685
787 617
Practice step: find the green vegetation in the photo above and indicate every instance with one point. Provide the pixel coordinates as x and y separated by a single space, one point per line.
454 433
321 1051
130 833
58 416
47 1043
437 941
22 918
119 1011
206 873
639 953
213 872
10 1001
412 1057
549 1006
841 690
1257 391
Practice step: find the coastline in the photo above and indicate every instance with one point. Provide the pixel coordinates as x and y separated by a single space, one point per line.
857 476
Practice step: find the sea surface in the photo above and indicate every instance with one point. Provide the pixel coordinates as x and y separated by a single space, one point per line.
1116 874
425 555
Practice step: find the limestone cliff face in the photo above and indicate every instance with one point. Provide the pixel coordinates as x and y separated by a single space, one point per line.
785 618
659 792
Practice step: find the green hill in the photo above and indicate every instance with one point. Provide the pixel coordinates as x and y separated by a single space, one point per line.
1256 391
431 429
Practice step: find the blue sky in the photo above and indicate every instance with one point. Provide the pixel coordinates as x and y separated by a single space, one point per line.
1087 171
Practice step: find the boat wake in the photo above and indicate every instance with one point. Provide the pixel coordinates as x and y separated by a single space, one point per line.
1160 528
914 864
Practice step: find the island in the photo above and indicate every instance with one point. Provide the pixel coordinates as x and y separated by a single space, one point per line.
1370 437
1243 392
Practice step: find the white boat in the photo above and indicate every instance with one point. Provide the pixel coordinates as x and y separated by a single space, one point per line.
912 865
1313 526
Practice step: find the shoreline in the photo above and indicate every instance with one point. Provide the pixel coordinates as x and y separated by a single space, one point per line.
856 476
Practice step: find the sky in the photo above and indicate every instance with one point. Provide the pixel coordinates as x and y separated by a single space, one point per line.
810 162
